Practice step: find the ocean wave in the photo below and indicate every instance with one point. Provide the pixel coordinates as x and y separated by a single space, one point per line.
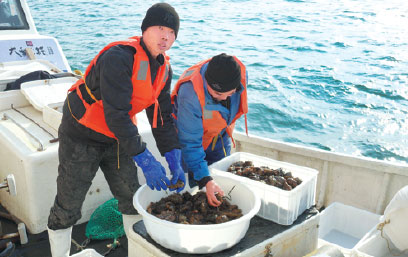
315 68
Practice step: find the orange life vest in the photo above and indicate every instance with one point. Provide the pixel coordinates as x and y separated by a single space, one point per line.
144 93
213 122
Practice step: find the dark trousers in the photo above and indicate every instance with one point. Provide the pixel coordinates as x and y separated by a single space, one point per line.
78 164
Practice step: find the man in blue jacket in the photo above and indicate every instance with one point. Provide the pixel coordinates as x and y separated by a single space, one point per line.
207 100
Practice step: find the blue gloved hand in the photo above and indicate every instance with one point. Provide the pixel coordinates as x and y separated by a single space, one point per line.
173 158
153 171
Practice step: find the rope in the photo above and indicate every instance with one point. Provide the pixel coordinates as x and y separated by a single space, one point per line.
78 72
80 247
381 227
54 139
112 247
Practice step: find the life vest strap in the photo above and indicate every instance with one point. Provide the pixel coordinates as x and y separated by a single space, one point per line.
156 107
89 91
223 147
70 110
246 124
118 153
214 142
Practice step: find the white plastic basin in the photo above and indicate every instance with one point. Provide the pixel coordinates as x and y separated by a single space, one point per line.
199 239
87 253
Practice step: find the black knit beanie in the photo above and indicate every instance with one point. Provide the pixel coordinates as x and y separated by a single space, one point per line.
161 14
223 73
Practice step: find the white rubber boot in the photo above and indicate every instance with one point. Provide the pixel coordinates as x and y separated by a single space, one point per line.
129 221
60 242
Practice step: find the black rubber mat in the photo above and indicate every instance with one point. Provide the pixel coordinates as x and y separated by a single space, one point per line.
259 230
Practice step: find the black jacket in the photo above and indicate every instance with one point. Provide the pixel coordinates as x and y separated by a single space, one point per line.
110 80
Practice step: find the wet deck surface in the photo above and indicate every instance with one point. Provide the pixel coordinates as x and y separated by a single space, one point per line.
38 244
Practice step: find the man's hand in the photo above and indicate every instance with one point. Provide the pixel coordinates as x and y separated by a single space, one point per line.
153 171
211 190
173 158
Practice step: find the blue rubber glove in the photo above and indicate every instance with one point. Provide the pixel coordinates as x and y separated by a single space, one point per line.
153 171
173 158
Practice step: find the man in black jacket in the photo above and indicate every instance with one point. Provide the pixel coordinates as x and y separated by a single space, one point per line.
98 127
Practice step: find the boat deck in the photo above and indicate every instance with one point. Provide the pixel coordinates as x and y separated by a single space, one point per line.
38 244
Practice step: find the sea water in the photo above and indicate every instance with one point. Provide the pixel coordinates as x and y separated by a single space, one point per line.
331 75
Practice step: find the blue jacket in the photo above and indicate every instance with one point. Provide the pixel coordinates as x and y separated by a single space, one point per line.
190 127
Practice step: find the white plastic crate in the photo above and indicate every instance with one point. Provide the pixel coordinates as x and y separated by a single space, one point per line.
87 253
345 225
277 205
52 114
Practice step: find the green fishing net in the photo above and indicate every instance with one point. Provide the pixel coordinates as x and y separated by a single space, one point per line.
106 222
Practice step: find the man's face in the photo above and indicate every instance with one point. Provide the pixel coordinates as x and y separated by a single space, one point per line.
158 39
220 96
